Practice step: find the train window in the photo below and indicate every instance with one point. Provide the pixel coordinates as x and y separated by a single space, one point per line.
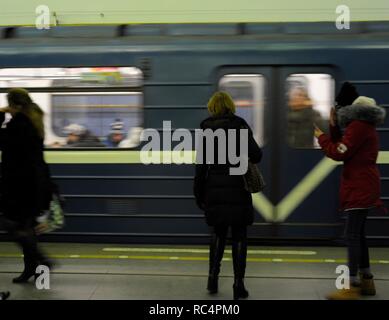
310 98
84 107
248 93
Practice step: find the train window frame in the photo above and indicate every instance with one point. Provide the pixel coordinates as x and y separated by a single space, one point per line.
331 94
132 84
259 95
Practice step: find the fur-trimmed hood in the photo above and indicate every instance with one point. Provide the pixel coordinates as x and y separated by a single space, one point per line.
363 109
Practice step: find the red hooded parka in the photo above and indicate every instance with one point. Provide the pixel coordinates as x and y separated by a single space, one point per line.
358 149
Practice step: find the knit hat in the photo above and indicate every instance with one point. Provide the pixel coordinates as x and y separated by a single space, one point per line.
347 94
75 129
117 127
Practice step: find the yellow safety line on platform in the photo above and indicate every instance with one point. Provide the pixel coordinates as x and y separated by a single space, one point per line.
206 251
184 258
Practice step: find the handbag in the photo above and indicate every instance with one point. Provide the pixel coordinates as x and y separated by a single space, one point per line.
253 179
53 218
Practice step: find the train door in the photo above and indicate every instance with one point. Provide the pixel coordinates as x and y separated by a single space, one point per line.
306 187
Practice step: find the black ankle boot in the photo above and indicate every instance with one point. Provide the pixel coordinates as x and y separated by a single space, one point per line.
213 284
240 291
30 266
25 276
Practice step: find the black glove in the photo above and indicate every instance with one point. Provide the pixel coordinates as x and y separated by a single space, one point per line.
347 94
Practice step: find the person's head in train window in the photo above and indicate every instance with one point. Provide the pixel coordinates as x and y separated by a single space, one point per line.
74 133
299 99
116 134
221 104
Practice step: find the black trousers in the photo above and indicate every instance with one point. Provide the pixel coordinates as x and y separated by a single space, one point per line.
358 251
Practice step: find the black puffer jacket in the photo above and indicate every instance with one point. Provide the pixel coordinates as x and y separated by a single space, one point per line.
222 196
25 178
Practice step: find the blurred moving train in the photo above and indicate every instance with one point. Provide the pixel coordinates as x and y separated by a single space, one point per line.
142 75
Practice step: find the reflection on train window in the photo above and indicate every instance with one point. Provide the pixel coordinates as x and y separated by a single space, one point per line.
84 107
310 99
248 93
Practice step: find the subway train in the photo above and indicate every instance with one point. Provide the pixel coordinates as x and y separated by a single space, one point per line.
143 75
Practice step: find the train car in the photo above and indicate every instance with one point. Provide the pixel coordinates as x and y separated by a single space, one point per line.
143 75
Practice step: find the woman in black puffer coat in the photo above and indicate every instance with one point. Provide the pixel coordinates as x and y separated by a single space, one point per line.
25 181
223 197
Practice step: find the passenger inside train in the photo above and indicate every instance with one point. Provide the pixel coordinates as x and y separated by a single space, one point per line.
301 117
116 135
80 137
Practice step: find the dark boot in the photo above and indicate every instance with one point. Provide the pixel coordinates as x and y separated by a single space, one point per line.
367 285
31 254
29 270
215 256
239 254
4 295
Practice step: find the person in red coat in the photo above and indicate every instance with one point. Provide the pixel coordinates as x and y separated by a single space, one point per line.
360 187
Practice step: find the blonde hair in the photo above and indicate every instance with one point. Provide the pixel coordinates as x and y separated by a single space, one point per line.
20 100
221 103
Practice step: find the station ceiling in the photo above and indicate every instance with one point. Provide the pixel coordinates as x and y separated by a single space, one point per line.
95 12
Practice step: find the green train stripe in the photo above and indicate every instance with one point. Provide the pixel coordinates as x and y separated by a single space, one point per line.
118 157
263 206
135 157
301 191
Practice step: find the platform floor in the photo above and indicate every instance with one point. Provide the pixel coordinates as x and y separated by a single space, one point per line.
98 271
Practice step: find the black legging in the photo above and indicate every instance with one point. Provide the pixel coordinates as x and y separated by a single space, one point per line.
239 249
358 251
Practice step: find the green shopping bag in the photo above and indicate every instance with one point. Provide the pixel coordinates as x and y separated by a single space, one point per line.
54 218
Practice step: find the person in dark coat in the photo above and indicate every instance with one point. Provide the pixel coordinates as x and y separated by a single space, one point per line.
360 188
25 180
223 197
